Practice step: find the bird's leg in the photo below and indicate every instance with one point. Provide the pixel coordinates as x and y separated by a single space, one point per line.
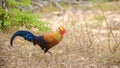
50 53
34 43
44 54
46 51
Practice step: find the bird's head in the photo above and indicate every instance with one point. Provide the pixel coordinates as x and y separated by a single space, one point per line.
62 30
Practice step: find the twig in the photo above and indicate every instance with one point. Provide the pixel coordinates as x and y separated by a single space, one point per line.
86 24
110 32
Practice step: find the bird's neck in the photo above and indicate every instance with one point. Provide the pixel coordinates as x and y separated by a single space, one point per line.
58 36
61 33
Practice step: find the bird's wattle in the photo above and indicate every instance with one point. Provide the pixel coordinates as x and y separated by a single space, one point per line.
62 32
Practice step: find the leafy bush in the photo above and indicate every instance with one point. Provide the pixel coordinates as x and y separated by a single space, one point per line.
17 17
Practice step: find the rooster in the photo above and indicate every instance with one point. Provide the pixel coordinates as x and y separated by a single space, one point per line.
45 41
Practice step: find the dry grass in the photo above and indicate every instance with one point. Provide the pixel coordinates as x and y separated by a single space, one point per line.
85 45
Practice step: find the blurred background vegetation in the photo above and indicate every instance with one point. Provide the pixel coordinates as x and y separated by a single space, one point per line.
17 13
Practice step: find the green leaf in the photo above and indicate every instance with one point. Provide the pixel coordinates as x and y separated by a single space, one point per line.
7 23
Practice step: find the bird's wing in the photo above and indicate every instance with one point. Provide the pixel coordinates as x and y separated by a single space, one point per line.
51 39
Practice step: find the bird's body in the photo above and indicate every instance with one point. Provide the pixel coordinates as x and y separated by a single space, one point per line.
45 41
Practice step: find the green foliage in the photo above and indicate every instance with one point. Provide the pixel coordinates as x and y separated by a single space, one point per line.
17 17
2 17
22 3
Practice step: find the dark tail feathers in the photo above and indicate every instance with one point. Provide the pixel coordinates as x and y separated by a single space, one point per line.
25 34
